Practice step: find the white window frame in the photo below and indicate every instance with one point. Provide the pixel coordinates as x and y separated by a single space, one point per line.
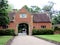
23 15
43 26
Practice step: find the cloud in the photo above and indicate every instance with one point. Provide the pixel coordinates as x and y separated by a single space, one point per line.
19 3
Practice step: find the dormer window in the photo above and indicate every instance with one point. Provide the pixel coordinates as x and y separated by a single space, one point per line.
23 16
13 19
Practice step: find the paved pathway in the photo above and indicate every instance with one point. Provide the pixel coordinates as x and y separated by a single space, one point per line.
22 34
29 40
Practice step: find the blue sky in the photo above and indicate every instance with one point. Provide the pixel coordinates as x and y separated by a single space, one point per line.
17 4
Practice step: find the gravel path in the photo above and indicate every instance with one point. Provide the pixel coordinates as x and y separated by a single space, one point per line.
29 40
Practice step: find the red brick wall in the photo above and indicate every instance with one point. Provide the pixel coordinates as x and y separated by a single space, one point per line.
22 20
38 25
19 20
28 20
0 27
12 25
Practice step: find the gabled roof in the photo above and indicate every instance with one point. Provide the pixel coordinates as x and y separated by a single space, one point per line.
42 17
39 17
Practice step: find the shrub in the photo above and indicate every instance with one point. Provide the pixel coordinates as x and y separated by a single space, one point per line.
58 29
2 32
42 31
19 31
7 32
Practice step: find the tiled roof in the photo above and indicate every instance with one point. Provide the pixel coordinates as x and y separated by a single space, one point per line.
40 18
11 15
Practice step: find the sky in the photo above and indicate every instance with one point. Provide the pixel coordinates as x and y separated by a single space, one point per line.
18 4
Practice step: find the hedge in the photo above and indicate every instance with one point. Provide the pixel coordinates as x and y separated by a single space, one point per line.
42 31
7 32
56 29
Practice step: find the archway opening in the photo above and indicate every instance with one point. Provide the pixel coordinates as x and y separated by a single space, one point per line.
23 28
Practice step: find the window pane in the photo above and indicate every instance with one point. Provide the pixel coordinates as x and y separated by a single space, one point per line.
43 26
33 26
23 16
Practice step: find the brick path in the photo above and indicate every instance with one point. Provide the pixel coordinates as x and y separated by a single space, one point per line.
29 40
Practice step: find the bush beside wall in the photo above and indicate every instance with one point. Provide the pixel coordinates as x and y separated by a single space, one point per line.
7 32
42 31
56 30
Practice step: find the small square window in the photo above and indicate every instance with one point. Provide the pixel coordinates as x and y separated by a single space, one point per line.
43 26
34 27
5 27
23 16
12 18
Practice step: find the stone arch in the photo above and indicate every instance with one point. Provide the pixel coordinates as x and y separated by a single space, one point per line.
25 23
23 28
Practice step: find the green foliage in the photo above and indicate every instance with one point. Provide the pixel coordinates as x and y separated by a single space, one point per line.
56 29
50 37
4 19
25 6
5 39
56 19
10 8
35 9
42 32
31 10
7 32
49 8
19 31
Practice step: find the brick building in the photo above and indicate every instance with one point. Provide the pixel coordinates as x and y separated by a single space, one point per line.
26 21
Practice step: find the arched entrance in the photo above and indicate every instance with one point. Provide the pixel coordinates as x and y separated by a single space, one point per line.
23 28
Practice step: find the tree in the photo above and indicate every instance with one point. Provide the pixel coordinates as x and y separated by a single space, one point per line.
4 19
56 19
48 8
25 6
10 8
33 9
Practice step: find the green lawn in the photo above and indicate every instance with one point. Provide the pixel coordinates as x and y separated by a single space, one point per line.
50 37
4 39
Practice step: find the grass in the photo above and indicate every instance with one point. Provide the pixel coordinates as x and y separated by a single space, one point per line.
50 37
4 39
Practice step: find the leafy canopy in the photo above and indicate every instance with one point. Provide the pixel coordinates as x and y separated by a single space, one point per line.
4 19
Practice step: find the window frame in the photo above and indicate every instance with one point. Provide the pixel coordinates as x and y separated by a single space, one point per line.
43 26
23 15
33 26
